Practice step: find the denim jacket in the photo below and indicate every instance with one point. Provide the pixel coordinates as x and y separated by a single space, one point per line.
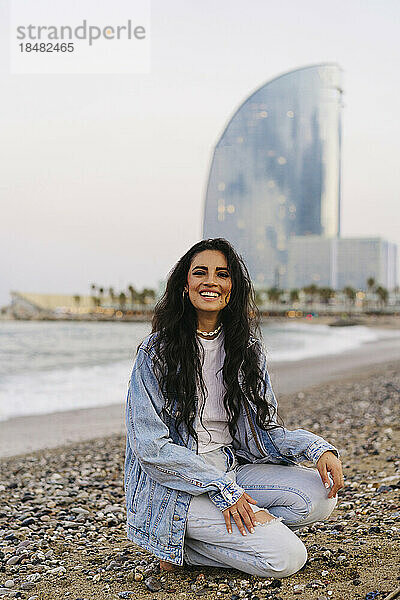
163 472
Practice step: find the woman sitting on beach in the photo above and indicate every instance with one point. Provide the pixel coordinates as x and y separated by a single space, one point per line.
207 463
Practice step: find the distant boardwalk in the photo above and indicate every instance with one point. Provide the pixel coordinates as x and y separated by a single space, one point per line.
64 306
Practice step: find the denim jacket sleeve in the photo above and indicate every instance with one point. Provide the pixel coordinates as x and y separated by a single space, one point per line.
299 444
169 464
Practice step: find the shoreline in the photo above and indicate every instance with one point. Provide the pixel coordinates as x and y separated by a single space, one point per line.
388 320
31 433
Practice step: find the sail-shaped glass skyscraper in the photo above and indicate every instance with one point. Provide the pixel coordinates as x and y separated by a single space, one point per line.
275 171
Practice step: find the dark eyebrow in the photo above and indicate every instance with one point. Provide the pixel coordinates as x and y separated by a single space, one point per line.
206 268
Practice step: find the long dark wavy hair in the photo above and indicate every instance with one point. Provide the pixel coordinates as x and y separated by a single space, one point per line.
178 356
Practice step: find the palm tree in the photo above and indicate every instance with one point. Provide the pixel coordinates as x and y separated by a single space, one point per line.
133 294
383 295
294 296
122 300
325 294
112 294
371 283
101 292
94 298
77 300
311 291
148 295
274 295
350 294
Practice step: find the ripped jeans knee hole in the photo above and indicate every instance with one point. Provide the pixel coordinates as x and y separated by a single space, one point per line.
264 518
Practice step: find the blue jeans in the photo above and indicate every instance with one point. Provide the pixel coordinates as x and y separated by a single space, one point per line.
295 495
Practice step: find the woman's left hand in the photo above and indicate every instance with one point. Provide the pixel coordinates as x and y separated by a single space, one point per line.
329 463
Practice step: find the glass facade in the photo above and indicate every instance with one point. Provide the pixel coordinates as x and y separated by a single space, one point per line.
275 171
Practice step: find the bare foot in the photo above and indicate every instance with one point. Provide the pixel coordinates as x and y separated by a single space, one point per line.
167 566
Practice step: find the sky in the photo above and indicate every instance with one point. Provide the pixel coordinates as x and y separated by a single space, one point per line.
102 177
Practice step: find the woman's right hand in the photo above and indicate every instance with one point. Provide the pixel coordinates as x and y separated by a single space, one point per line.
242 514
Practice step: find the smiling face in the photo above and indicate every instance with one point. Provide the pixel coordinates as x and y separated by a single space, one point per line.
209 282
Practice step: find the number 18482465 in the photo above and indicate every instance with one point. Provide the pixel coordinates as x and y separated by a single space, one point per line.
47 47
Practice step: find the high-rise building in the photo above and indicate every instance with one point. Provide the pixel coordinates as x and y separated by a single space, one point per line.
275 171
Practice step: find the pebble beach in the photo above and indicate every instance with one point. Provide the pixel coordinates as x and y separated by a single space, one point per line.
62 513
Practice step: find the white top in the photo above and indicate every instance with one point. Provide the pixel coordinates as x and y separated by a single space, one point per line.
214 416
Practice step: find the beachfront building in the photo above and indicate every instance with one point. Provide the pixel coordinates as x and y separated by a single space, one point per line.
275 171
341 262
361 258
312 259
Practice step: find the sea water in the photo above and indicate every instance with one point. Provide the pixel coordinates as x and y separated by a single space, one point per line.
53 366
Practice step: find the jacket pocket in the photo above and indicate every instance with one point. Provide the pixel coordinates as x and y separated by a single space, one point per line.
134 483
141 508
131 480
133 499
167 525
141 482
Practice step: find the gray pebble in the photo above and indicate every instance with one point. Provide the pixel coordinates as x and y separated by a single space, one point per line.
24 544
80 511
33 577
57 571
27 585
153 584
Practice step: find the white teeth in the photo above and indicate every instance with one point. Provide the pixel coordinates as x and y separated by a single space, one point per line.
211 294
